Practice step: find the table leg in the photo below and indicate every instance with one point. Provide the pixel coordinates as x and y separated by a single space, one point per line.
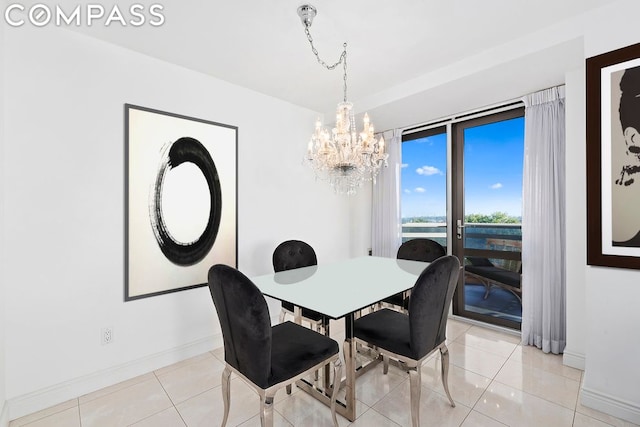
327 368
297 315
349 350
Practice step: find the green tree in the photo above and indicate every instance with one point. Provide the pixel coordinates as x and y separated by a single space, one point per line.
494 218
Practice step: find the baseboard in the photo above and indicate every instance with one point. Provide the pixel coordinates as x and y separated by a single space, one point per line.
611 405
41 399
4 415
574 360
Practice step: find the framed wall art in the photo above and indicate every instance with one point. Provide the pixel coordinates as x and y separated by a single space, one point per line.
180 200
613 158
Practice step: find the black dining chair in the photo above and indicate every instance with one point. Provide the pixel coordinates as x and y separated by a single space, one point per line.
421 249
412 338
266 357
292 254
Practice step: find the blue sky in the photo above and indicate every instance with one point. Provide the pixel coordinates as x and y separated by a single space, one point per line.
492 167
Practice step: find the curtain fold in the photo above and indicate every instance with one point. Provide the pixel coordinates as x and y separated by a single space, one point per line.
386 227
543 222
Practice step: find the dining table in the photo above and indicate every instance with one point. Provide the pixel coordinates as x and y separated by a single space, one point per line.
340 290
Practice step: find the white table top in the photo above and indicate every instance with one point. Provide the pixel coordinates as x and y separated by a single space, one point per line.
340 288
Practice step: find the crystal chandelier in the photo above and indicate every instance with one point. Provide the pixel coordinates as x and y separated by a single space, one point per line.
344 157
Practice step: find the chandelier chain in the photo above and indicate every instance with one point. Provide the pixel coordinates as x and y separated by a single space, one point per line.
342 60
342 155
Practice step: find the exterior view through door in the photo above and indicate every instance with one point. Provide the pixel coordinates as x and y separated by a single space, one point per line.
485 206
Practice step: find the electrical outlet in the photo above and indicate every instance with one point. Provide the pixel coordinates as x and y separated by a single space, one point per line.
106 335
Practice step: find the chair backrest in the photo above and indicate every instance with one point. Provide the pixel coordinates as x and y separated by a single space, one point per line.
429 304
246 325
425 250
293 254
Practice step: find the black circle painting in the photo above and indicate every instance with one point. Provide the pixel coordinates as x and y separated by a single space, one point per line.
181 185
182 151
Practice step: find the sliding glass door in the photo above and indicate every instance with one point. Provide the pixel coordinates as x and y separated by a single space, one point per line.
486 219
461 185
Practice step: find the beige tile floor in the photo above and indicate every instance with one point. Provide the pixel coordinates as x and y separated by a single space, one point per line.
494 381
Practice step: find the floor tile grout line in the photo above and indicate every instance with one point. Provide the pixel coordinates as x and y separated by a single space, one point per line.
525 392
465 417
291 422
573 420
531 394
490 417
170 400
487 351
484 351
382 415
80 412
501 368
12 422
546 372
185 362
388 393
79 415
114 391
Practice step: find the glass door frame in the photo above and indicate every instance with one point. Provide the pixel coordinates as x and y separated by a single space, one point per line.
457 213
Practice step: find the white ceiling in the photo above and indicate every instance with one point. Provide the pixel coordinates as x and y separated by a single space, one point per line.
261 44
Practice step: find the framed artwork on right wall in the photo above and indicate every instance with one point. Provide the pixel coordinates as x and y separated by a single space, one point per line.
613 158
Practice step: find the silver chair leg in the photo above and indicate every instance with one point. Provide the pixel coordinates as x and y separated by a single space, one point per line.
288 389
226 395
337 379
416 389
385 364
444 359
266 411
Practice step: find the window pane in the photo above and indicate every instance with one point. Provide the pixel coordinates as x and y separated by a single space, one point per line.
424 188
493 156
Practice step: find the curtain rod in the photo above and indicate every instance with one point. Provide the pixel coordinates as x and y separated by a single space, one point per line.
497 107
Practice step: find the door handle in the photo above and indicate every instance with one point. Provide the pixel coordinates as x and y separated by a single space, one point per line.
459 228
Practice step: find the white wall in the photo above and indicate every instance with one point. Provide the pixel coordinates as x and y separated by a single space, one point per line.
612 375
4 413
576 200
63 225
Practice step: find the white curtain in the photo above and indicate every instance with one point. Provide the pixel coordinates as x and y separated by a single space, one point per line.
386 228
543 222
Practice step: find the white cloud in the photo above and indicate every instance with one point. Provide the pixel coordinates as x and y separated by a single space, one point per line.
406 190
495 186
405 165
428 170
419 190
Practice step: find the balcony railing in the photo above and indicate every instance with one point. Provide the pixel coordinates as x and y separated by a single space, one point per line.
478 236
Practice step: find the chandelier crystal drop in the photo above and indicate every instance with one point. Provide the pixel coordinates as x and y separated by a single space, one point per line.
344 157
